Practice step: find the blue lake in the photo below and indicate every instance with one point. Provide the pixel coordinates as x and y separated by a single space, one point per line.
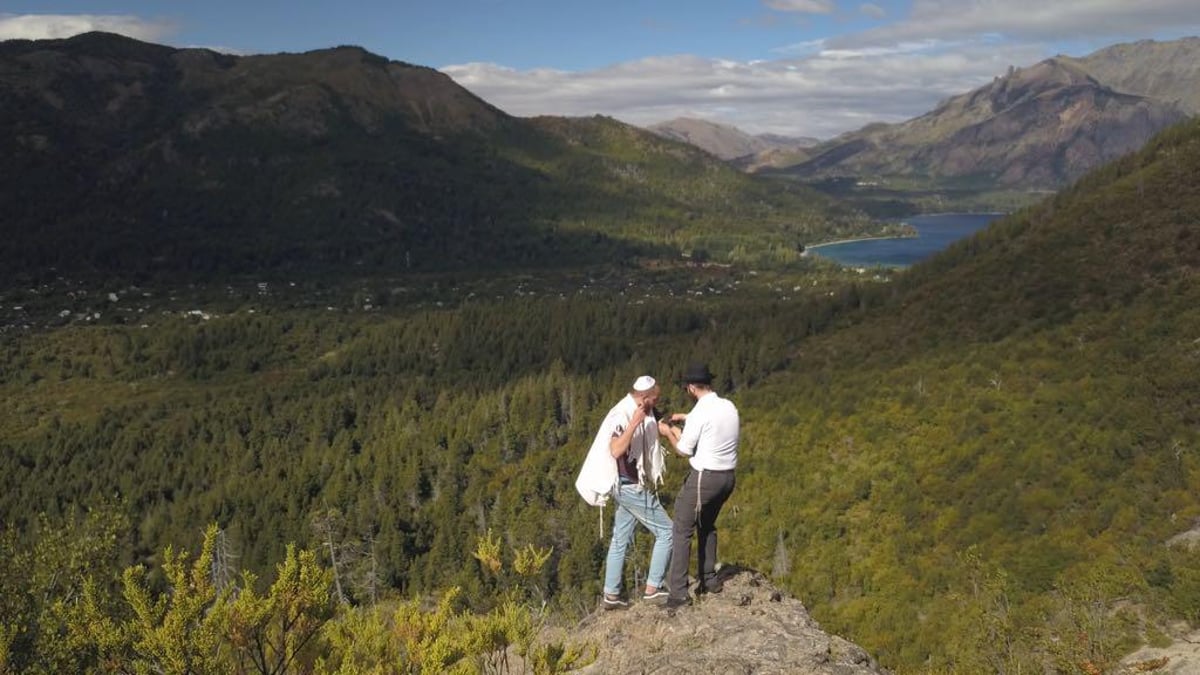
934 233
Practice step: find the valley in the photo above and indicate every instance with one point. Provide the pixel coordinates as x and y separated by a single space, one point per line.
61 301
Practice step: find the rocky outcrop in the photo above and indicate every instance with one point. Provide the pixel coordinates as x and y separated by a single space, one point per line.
750 627
1188 540
1181 657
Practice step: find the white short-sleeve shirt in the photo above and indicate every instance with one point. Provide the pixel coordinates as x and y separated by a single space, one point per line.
710 434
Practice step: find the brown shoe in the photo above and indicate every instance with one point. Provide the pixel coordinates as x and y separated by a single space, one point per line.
673 603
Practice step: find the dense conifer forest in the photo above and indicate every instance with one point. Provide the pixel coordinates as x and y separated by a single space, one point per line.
389 434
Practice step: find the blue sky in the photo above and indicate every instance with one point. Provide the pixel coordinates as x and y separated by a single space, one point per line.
799 67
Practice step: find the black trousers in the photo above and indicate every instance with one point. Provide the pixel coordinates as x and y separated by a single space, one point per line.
696 509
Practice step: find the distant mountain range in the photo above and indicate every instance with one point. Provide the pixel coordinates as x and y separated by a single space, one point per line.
1041 126
1036 126
129 158
728 142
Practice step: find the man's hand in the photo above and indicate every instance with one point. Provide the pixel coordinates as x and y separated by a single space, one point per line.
672 433
678 418
619 444
639 416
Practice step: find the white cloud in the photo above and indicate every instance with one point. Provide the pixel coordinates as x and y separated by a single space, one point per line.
51 26
826 86
805 6
872 10
820 95
1111 20
801 48
881 51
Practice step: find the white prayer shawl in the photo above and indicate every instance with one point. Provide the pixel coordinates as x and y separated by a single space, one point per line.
598 477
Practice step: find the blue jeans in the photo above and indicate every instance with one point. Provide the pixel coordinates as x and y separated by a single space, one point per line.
637 505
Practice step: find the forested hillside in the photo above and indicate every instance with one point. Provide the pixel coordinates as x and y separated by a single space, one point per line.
987 466
390 440
974 468
133 161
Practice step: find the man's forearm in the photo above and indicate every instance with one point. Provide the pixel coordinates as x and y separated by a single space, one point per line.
674 434
619 445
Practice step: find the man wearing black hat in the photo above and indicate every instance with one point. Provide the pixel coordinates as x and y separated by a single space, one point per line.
709 438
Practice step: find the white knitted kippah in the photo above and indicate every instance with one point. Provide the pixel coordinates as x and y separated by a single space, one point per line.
643 383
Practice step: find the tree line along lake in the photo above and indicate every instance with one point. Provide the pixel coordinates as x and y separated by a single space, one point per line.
934 233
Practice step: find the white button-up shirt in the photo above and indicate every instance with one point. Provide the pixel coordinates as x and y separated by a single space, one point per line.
710 434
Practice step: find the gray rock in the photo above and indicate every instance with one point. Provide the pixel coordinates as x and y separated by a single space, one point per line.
740 630
1182 657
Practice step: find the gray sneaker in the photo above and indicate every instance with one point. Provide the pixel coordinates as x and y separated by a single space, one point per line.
656 595
614 602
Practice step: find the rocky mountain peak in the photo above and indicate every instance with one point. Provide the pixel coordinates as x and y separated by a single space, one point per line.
1016 87
1022 83
1055 70
1046 124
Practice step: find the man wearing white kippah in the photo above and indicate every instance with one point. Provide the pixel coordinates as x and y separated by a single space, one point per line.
626 463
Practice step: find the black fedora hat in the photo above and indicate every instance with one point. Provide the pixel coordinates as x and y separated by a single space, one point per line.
697 373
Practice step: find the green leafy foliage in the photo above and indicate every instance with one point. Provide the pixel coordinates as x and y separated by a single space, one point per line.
49 591
202 622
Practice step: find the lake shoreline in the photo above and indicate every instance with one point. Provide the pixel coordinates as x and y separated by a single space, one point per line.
998 214
934 232
809 247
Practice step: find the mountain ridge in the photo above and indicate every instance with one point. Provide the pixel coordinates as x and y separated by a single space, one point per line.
727 141
128 158
1166 70
1046 124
